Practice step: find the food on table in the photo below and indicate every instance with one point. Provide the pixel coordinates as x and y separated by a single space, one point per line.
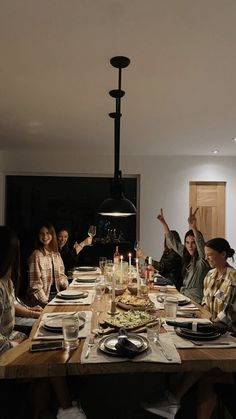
130 319
132 301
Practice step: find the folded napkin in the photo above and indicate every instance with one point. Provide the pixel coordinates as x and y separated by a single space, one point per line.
125 346
198 327
43 334
77 301
152 354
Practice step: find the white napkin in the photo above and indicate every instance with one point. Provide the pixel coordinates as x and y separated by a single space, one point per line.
152 354
77 301
179 342
44 334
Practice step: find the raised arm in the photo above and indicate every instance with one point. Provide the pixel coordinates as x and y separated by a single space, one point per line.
161 218
200 243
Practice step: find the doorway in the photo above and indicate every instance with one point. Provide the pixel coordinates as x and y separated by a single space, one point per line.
209 197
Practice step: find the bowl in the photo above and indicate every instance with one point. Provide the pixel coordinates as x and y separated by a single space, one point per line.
120 289
132 289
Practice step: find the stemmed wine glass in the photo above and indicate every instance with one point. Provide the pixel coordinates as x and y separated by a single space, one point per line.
137 246
92 231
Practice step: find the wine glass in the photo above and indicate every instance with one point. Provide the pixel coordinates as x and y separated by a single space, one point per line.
92 231
137 246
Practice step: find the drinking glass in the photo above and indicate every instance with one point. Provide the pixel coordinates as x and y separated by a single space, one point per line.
70 327
170 307
92 231
153 331
102 264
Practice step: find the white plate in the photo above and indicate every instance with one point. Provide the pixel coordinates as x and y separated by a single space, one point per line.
86 278
86 268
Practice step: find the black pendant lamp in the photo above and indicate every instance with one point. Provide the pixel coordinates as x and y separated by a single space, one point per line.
117 205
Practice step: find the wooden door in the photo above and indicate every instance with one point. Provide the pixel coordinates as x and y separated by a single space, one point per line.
209 197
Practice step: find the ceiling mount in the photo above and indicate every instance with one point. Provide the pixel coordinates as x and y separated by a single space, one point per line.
117 205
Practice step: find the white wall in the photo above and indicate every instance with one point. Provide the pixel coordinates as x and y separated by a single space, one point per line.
164 183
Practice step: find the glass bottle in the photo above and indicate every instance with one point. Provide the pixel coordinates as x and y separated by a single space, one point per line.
149 273
116 256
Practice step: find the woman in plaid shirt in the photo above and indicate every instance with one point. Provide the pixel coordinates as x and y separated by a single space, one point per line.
46 268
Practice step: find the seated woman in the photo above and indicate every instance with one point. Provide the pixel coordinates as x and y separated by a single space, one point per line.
220 300
195 266
46 268
9 257
170 264
70 256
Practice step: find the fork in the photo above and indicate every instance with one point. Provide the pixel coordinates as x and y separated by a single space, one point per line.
90 345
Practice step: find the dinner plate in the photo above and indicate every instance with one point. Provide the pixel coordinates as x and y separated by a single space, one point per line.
192 335
182 300
86 279
55 324
71 294
86 268
107 344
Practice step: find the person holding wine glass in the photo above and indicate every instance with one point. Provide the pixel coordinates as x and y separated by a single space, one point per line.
92 232
70 256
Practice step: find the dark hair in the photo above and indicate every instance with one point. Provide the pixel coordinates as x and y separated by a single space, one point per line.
64 229
187 258
53 245
176 236
221 245
9 254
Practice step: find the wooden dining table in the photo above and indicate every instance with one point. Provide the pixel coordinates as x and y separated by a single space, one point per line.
19 362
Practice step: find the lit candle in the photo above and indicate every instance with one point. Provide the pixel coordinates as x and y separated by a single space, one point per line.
121 269
130 262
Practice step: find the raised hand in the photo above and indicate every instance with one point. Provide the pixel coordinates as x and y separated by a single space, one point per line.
192 220
160 217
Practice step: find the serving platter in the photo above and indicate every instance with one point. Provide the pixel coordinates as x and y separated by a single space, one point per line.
129 302
130 320
107 344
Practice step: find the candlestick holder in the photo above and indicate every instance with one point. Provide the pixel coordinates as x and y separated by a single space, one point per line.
113 310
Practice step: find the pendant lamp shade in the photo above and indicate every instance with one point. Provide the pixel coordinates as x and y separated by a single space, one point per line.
117 205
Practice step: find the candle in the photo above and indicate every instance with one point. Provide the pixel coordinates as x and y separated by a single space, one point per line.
138 279
121 269
113 288
129 261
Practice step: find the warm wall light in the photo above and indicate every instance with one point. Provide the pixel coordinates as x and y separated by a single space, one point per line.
215 151
117 205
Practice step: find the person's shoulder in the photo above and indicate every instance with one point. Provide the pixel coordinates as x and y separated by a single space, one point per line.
231 273
35 254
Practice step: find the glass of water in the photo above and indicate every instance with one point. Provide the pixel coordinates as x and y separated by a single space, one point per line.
70 327
153 331
170 306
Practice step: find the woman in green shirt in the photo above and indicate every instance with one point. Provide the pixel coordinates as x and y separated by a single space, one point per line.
195 266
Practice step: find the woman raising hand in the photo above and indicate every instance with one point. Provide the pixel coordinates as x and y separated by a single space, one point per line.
195 266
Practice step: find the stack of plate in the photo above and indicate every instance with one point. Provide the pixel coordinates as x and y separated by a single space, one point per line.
108 343
86 268
85 279
196 335
182 300
71 294
55 324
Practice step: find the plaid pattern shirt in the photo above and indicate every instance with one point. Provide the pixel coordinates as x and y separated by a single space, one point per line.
44 268
7 312
219 295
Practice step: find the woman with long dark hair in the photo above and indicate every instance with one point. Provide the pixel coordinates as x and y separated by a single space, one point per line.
195 266
9 264
46 268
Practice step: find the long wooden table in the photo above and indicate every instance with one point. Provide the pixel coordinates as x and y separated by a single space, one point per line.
19 362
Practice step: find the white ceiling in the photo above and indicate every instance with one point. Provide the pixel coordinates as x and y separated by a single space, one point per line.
56 76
